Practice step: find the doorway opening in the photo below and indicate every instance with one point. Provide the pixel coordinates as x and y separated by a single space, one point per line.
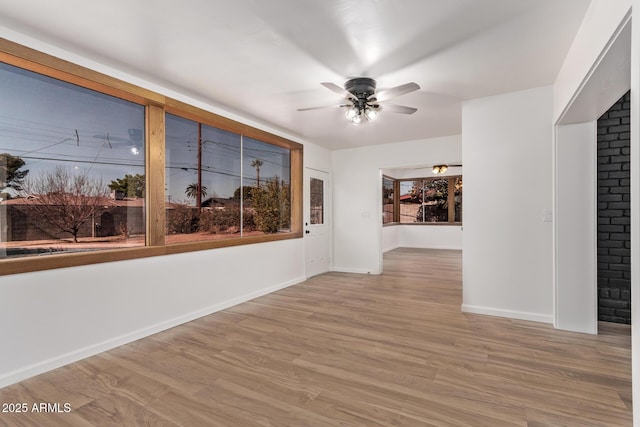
614 213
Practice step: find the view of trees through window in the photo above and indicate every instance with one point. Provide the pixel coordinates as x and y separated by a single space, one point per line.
89 162
221 185
72 172
387 200
423 200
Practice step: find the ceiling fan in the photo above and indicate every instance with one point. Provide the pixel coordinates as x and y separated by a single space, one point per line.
442 168
362 101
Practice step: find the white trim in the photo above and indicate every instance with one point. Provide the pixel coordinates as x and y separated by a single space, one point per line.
554 224
56 362
443 248
635 212
594 228
521 315
379 215
576 284
354 270
440 248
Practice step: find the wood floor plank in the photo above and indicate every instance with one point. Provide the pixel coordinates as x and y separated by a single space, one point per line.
115 411
349 350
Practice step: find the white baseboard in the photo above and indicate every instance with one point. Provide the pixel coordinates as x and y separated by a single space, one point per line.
73 356
445 248
521 315
354 270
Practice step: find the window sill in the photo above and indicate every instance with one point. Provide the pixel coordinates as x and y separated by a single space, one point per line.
49 262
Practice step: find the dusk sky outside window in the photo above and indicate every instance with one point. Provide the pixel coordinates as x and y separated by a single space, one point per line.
73 167
221 159
50 123
181 141
275 162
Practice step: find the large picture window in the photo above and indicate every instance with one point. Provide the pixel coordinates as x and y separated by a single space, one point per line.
72 172
89 162
422 200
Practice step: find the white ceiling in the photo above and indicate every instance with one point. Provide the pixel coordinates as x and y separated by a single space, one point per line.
264 59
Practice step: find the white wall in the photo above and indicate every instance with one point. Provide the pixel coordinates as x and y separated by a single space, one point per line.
58 316
507 158
575 225
390 238
433 237
357 195
316 157
422 236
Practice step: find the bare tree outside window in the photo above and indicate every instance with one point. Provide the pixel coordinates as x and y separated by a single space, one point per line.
65 200
71 177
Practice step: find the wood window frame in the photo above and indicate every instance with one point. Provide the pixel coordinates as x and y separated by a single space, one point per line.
396 201
451 179
156 105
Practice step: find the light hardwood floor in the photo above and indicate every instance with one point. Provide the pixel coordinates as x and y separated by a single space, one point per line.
348 350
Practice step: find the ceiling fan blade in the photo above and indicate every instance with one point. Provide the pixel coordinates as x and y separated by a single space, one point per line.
395 91
339 90
323 107
393 108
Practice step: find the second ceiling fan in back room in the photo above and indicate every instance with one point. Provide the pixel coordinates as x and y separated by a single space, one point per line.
362 102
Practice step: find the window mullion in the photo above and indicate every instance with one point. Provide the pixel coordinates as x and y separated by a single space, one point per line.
241 185
424 208
155 182
199 184
396 201
451 200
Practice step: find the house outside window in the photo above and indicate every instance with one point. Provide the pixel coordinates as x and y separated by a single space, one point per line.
95 169
72 169
422 200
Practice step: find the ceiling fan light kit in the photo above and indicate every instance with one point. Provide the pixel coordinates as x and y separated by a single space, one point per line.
440 169
362 102
371 114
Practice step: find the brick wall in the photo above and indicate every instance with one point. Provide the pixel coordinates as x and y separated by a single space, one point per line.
614 243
